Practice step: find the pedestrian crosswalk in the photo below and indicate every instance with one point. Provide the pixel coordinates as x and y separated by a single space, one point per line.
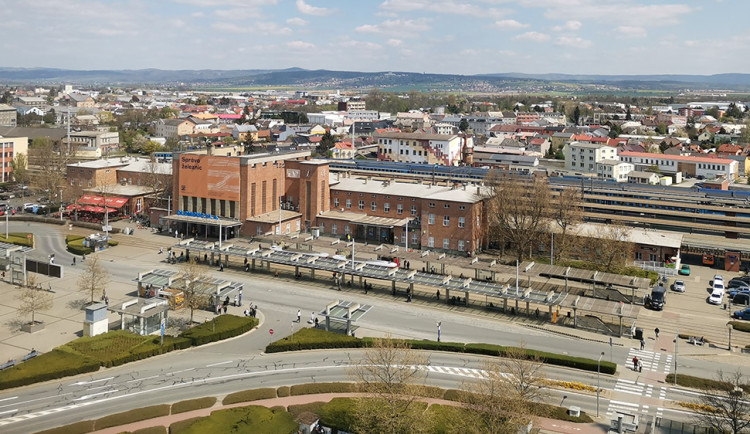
639 389
650 360
463 372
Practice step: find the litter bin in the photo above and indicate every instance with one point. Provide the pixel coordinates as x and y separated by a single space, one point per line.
638 333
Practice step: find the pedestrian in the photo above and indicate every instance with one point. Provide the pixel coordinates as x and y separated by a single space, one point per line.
316 322
437 294
225 308
656 332
643 344
635 363
218 309
312 317
239 300
74 260
235 301
299 315
161 250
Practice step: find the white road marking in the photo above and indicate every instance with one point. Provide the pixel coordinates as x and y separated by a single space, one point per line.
142 379
96 394
8 399
220 363
82 383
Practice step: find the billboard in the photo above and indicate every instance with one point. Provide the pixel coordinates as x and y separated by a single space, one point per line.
213 177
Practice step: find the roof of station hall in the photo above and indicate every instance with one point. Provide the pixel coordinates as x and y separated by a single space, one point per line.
406 189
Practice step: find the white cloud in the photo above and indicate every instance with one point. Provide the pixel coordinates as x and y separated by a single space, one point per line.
570 25
395 42
510 25
452 7
622 12
532 36
361 45
313 10
296 21
404 28
634 32
572 41
299 45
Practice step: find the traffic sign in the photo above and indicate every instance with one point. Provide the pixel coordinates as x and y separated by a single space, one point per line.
270 331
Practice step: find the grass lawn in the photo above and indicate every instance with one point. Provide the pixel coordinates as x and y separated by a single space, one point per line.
252 419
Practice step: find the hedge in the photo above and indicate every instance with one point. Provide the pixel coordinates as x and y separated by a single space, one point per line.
82 427
282 391
226 326
18 238
700 382
742 326
193 404
118 347
249 395
76 247
316 388
58 363
130 416
183 425
312 338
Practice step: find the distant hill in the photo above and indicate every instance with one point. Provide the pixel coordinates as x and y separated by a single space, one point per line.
388 80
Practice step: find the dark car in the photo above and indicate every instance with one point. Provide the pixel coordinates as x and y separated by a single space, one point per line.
737 283
741 298
735 291
742 314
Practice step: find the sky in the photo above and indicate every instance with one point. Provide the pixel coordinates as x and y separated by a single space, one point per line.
435 36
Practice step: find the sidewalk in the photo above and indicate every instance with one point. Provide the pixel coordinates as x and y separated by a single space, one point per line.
545 425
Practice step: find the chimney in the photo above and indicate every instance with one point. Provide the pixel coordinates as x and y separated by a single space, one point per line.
479 191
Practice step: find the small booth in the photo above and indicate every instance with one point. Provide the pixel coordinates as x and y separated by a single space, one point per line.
95 322
142 316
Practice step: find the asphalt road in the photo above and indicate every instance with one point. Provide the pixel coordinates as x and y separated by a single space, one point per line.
238 364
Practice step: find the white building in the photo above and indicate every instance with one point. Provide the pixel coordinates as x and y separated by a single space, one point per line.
583 157
442 149
614 170
362 115
706 167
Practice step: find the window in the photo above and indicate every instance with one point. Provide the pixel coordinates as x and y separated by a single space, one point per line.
446 220
432 205
361 204
348 203
414 238
399 209
460 245
413 210
446 243
335 202
373 206
334 229
346 229
445 205
462 207
431 219
386 207
461 222
477 221
430 242
259 230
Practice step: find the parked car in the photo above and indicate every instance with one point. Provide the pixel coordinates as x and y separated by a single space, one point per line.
741 298
657 298
742 314
685 270
7 196
738 281
716 297
736 291
678 285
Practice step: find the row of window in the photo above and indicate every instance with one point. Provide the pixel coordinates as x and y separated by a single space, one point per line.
447 220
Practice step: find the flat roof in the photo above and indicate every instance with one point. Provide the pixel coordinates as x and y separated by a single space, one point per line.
274 216
405 189
364 219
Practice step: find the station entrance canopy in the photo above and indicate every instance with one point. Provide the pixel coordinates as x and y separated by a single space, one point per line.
202 218
111 202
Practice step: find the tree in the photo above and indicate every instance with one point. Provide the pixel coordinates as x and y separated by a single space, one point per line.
725 409
20 168
576 115
566 212
249 143
94 278
194 290
326 144
518 210
615 131
612 248
504 398
33 299
628 115
661 129
463 125
51 161
389 376
713 111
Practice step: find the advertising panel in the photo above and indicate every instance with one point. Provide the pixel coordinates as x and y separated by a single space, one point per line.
212 177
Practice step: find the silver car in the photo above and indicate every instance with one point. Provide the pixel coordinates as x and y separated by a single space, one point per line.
678 286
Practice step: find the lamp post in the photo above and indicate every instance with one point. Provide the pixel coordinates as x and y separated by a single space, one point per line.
729 328
438 329
676 341
61 206
7 210
598 364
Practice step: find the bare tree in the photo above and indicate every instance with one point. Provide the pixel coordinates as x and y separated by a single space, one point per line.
157 179
33 299
389 376
94 279
518 209
193 286
725 409
504 398
611 249
566 212
51 161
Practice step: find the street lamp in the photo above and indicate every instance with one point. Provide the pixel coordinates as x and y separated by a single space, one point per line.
676 341
438 327
730 327
598 364
7 210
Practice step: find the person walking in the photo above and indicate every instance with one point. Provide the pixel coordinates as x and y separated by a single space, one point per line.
656 332
635 363
312 317
240 298
299 315
235 301
643 344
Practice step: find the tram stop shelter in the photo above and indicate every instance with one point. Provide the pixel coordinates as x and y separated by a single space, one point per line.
195 224
142 316
340 315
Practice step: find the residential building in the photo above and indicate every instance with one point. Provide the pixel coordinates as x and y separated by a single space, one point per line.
582 157
82 101
10 147
640 177
174 128
8 116
524 118
343 151
32 101
482 123
412 120
421 148
241 132
614 170
103 141
692 166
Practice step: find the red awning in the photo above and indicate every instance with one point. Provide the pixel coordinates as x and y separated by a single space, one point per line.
73 206
111 210
89 208
114 202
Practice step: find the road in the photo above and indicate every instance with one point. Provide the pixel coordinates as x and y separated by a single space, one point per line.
239 364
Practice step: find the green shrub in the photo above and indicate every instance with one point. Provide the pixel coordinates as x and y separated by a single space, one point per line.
457 395
559 413
249 395
18 238
282 391
315 388
700 383
742 326
313 339
70 238
82 427
130 416
183 425
112 243
226 326
76 247
58 363
193 404
338 413
251 419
